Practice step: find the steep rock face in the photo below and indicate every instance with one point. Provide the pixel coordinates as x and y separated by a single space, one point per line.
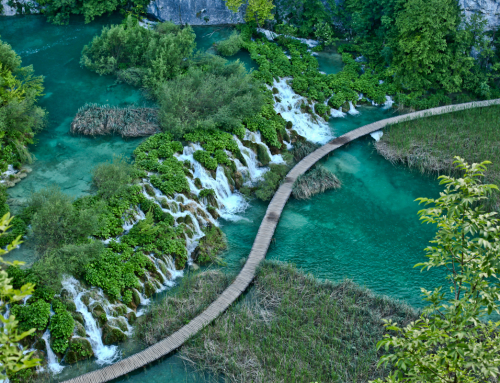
490 9
20 6
194 12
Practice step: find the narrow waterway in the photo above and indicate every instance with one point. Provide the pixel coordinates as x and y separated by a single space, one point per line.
367 231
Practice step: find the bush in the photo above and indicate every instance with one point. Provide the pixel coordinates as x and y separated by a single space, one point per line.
34 315
231 46
112 178
61 327
157 55
272 179
56 222
220 97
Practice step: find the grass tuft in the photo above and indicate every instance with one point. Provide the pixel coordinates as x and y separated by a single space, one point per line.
313 182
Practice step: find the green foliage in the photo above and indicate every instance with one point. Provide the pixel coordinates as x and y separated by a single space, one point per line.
210 246
20 117
219 97
170 176
271 181
57 222
113 178
158 54
59 12
231 46
12 357
205 159
34 315
259 11
453 340
61 327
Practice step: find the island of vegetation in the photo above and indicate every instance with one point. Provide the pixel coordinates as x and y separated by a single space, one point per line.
217 130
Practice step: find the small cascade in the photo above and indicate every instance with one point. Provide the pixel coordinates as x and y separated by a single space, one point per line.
377 135
252 171
337 113
352 109
388 103
317 131
270 35
52 362
104 354
257 138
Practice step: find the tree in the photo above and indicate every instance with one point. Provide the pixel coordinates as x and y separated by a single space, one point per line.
452 341
12 358
234 5
259 11
429 50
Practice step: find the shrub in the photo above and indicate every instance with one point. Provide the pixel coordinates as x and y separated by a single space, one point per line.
221 96
34 315
272 179
231 46
61 327
112 178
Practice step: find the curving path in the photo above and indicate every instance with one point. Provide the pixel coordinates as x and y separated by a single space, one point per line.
258 252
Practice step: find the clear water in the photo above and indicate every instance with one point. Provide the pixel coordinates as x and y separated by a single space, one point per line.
330 63
367 231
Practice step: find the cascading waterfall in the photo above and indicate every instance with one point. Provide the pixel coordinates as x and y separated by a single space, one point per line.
288 106
257 138
52 362
104 354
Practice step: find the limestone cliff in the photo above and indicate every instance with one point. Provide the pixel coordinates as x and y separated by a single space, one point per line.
490 9
194 12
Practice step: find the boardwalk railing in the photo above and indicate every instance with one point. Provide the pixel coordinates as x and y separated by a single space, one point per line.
258 252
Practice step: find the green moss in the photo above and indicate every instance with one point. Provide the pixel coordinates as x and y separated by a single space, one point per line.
112 335
79 349
210 246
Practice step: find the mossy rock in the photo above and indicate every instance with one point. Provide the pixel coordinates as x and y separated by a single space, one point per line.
149 289
119 322
65 294
131 317
112 335
174 207
188 220
80 330
210 245
158 278
345 107
213 211
238 180
136 298
97 310
263 155
118 310
149 190
165 271
79 349
78 317
180 262
179 198
70 305
164 203
197 183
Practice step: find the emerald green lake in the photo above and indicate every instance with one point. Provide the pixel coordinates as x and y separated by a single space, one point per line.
367 231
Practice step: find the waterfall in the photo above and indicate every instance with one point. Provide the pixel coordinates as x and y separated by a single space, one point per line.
253 171
104 354
377 135
352 109
52 362
256 137
315 130
388 103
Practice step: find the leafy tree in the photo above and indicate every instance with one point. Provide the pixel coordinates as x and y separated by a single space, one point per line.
59 11
12 358
230 46
20 117
56 222
259 11
159 54
429 52
234 5
452 341
111 178
221 96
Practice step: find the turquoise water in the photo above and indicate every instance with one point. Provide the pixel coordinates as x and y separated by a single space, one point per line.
367 231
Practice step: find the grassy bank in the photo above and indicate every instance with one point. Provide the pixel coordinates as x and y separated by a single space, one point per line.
195 294
429 144
294 328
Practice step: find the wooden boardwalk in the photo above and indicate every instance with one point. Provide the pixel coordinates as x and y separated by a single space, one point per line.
257 254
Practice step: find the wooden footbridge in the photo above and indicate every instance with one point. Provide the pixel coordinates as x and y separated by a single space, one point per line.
258 252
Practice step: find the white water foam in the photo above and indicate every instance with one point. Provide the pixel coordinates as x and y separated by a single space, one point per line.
52 362
377 135
303 123
104 354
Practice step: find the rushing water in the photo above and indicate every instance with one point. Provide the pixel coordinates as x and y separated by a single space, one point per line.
367 231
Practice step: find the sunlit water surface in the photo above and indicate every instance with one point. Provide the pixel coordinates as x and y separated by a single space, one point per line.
367 231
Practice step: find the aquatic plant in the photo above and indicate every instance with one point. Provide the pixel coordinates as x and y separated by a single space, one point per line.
230 46
429 144
315 181
95 120
293 327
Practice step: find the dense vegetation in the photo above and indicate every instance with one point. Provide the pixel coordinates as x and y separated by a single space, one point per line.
292 327
430 143
20 116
